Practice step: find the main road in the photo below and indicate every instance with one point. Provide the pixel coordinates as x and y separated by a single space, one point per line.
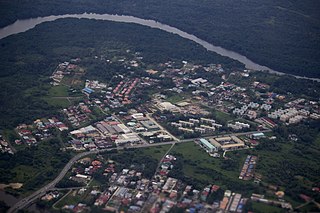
42 191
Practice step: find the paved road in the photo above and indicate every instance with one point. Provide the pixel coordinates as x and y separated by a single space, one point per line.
39 193
34 196
161 127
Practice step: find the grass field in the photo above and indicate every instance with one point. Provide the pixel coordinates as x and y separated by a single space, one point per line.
71 199
219 115
156 152
264 208
58 91
57 102
195 159
175 98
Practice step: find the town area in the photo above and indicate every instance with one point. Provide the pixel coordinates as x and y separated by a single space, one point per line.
180 112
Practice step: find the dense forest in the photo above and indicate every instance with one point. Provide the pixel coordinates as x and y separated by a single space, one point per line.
28 59
284 35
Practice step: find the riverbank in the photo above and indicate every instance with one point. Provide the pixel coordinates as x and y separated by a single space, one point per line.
27 24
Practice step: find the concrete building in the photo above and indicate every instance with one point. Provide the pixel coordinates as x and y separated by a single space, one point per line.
226 143
208 128
168 106
127 138
194 120
207 145
258 135
207 120
238 125
186 130
186 123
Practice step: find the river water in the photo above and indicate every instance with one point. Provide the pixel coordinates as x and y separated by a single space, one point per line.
7 198
10 200
24 25
27 24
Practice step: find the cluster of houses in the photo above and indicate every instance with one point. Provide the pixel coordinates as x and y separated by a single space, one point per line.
293 115
232 202
169 192
174 193
50 196
63 69
250 110
124 89
4 146
130 191
124 92
247 171
127 190
40 130
84 173
78 114
229 97
94 84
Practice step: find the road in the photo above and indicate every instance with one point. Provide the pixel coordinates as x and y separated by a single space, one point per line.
34 196
42 191
160 127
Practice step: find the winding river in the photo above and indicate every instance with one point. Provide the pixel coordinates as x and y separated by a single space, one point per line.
27 24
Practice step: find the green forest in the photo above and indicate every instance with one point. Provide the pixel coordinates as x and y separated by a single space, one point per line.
284 35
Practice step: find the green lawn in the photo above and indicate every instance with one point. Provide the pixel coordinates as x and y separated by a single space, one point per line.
156 152
59 91
223 116
195 159
94 182
175 98
57 102
219 115
71 199
264 208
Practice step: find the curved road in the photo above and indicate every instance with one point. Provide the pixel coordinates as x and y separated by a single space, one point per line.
28 200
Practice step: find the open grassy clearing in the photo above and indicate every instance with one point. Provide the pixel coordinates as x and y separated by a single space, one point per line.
196 159
156 152
58 102
71 199
264 208
58 91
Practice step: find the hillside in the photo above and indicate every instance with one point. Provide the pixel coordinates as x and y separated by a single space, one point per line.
284 35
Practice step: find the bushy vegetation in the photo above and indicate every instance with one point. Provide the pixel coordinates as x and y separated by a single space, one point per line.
33 166
283 35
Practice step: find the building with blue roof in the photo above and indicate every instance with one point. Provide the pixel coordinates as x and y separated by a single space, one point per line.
88 90
207 145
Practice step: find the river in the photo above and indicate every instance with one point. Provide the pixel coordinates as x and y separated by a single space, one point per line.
10 200
27 24
7 198
24 25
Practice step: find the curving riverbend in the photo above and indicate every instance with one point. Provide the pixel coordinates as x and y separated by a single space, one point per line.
27 24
